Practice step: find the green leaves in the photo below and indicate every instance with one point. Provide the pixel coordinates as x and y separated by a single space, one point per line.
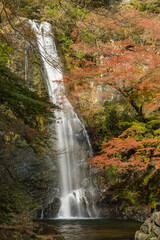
4 52
153 6
23 112
24 103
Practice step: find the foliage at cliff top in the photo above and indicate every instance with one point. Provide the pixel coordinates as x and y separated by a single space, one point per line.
119 53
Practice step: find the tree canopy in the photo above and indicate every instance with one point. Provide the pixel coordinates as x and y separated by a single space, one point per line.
119 53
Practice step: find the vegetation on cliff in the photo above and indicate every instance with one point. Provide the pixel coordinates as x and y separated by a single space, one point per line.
112 76
25 112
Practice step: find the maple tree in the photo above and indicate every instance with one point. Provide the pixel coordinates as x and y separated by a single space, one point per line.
133 75
119 53
130 68
127 152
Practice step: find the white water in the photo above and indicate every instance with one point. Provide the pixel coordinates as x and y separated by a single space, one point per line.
72 140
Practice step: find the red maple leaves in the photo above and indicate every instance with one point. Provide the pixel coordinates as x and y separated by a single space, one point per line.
129 154
120 52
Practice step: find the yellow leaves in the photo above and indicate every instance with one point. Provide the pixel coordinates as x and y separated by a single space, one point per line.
41 123
10 113
10 138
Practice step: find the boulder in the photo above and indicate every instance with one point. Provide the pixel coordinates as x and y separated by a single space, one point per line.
155 230
141 236
156 218
150 229
146 226
53 208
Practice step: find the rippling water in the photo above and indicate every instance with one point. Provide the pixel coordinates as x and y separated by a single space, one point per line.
96 229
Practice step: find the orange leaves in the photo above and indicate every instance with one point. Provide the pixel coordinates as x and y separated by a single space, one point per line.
125 63
132 67
133 71
89 64
74 34
129 154
151 28
136 148
119 52
118 145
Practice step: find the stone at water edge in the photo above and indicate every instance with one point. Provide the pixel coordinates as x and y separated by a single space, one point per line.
150 229
155 230
52 209
141 236
146 226
157 218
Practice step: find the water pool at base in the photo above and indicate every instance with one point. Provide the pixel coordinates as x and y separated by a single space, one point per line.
95 229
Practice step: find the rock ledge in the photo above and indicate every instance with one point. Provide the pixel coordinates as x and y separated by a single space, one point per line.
150 230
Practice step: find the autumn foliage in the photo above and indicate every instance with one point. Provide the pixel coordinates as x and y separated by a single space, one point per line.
120 53
129 154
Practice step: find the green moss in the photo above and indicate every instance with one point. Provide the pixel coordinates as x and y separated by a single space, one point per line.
127 197
112 173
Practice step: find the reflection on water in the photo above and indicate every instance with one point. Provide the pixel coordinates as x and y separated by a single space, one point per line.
95 229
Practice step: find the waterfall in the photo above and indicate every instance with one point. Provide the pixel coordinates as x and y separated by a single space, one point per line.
73 146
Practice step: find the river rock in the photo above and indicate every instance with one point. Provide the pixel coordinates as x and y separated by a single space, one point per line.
146 227
156 230
156 218
154 238
53 208
150 229
141 236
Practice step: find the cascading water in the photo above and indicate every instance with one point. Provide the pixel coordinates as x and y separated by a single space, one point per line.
76 191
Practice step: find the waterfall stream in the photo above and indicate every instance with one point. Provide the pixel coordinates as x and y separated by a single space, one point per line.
73 146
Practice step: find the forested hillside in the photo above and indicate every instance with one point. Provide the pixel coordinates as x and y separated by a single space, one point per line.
111 62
